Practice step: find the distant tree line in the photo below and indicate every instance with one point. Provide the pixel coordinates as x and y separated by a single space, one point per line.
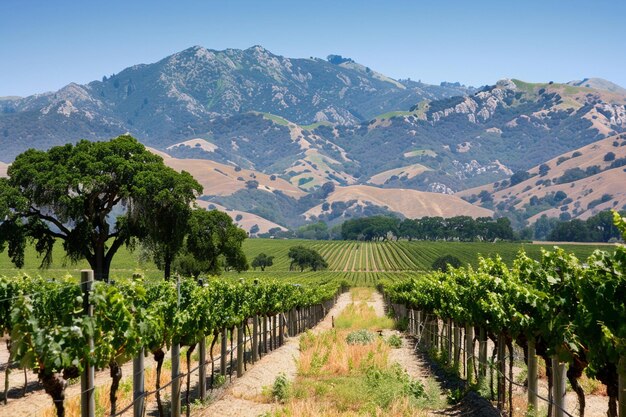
459 228
598 228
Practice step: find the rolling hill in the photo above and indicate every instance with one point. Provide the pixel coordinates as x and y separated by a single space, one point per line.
246 221
221 179
409 203
576 184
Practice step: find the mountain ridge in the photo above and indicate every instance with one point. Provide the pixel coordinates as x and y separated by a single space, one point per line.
239 116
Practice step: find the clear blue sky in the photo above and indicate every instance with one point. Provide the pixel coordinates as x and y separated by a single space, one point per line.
44 45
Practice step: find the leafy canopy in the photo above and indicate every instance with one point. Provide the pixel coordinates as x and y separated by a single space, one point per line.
94 196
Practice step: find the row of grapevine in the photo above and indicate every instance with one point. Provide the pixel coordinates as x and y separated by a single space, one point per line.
51 333
365 256
571 313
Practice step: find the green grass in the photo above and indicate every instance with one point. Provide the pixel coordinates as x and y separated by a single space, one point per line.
315 125
276 119
391 114
421 108
528 87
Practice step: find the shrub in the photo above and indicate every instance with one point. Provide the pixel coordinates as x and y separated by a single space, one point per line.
519 176
394 341
252 184
561 160
610 156
441 263
360 337
543 169
280 388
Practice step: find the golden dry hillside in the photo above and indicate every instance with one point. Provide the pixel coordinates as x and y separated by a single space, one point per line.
601 173
410 203
3 169
221 179
246 221
408 172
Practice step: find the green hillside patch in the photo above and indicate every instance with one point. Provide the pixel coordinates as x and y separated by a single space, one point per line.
315 125
276 119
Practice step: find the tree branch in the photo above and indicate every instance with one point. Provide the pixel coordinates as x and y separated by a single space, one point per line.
57 223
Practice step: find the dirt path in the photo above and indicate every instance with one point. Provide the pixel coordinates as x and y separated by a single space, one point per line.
244 397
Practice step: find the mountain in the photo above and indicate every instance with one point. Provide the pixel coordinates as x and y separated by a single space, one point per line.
286 139
176 98
599 84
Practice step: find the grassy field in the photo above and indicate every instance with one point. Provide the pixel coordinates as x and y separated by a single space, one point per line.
356 263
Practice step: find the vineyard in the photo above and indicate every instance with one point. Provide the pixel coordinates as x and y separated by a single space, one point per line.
50 332
569 312
61 329
397 256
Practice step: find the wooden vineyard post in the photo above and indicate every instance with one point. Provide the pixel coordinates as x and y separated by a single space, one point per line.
202 359
457 345
138 384
450 326
558 386
223 349
418 325
87 397
532 378
482 355
435 330
501 372
621 396
255 338
274 328
202 370
281 329
264 347
469 352
240 350
176 383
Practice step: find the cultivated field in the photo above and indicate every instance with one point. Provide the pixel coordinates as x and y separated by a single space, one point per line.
357 263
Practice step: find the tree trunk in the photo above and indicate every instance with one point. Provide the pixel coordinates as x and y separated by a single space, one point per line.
99 262
167 269
548 363
116 376
189 352
608 376
7 371
575 371
54 384
159 355
509 343
213 342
